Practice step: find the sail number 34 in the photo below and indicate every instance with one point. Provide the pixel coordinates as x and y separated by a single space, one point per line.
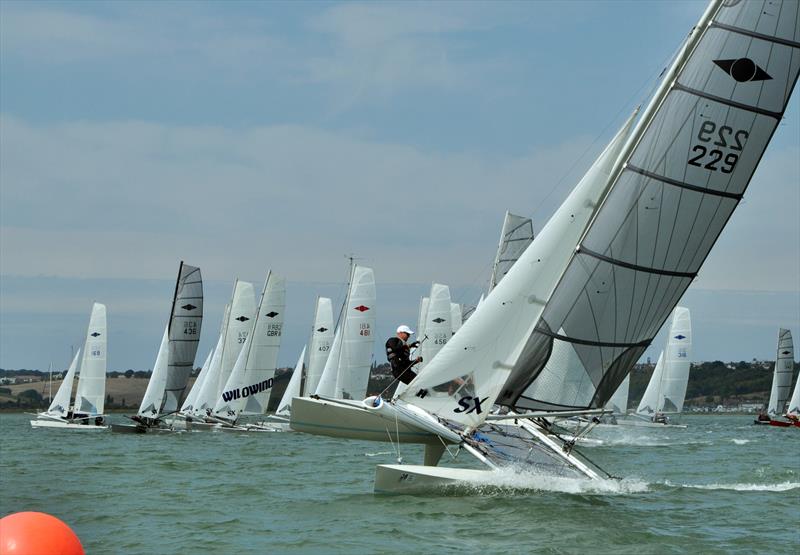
715 159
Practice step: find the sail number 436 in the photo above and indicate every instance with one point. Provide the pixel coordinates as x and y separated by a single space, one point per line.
724 137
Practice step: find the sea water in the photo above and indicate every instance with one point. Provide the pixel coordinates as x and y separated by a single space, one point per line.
721 485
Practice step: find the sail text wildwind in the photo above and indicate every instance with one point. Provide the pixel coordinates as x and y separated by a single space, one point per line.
247 390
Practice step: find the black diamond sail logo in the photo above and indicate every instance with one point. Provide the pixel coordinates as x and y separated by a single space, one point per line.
679 336
438 320
271 314
243 318
188 307
743 70
95 334
322 330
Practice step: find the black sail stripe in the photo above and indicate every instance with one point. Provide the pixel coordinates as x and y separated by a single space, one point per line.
682 184
583 250
645 343
727 102
755 35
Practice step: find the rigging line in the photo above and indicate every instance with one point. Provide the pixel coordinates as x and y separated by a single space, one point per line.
665 65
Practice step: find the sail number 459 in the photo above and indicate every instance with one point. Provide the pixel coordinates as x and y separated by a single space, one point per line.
715 159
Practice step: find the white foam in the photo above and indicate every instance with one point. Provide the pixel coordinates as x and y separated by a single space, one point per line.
378 454
783 486
513 479
741 441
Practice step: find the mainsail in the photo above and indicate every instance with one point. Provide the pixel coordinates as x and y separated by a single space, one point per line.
237 328
782 378
516 235
293 389
346 371
320 345
90 396
675 186
184 334
207 394
250 383
59 406
794 402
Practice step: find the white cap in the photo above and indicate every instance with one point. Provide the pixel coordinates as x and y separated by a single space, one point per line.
405 329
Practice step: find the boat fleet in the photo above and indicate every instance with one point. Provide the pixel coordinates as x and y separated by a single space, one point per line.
568 313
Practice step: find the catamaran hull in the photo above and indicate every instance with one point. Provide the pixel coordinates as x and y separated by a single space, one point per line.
415 479
67 425
349 419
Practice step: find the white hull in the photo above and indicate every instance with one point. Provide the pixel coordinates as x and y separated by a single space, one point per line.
349 419
412 478
39 423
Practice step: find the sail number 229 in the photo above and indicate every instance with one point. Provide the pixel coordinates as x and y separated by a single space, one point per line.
724 137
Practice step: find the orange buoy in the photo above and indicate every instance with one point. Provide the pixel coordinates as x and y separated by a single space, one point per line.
32 533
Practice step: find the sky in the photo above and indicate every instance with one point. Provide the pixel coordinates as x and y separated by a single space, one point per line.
247 136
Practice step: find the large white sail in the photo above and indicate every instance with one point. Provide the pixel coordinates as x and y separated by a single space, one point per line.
677 358
207 395
185 324
250 383
619 401
422 317
237 328
191 398
516 235
358 339
782 377
60 404
90 396
675 186
320 345
794 402
469 371
150 406
293 389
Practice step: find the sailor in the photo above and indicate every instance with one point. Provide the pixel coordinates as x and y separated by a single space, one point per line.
398 351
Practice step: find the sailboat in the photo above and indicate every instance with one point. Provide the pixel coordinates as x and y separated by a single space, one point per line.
515 237
346 372
781 382
247 390
793 412
623 248
292 389
87 411
175 360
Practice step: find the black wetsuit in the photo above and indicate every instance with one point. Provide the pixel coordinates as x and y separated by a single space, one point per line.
398 352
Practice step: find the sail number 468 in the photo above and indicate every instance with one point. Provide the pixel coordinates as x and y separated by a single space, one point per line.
723 137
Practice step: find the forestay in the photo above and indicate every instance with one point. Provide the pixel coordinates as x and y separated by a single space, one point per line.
516 235
59 406
248 388
184 334
782 377
90 396
467 374
679 179
320 344
293 389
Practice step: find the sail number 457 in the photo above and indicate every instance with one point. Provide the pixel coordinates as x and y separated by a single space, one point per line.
715 159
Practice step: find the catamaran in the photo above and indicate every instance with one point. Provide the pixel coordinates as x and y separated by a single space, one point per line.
781 382
90 397
175 360
793 412
605 272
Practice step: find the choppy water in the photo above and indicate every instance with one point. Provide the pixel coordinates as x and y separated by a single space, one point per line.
720 486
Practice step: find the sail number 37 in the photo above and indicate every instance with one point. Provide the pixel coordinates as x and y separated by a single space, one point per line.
724 137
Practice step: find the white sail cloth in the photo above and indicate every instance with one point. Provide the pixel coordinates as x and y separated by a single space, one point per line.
320 343
150 406
346 372
293 389
782 376
237 329
677 182
250 383
207 394
191 398
516 235
619 401
60 404
90 397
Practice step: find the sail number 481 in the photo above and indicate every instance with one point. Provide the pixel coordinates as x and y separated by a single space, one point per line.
715 159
